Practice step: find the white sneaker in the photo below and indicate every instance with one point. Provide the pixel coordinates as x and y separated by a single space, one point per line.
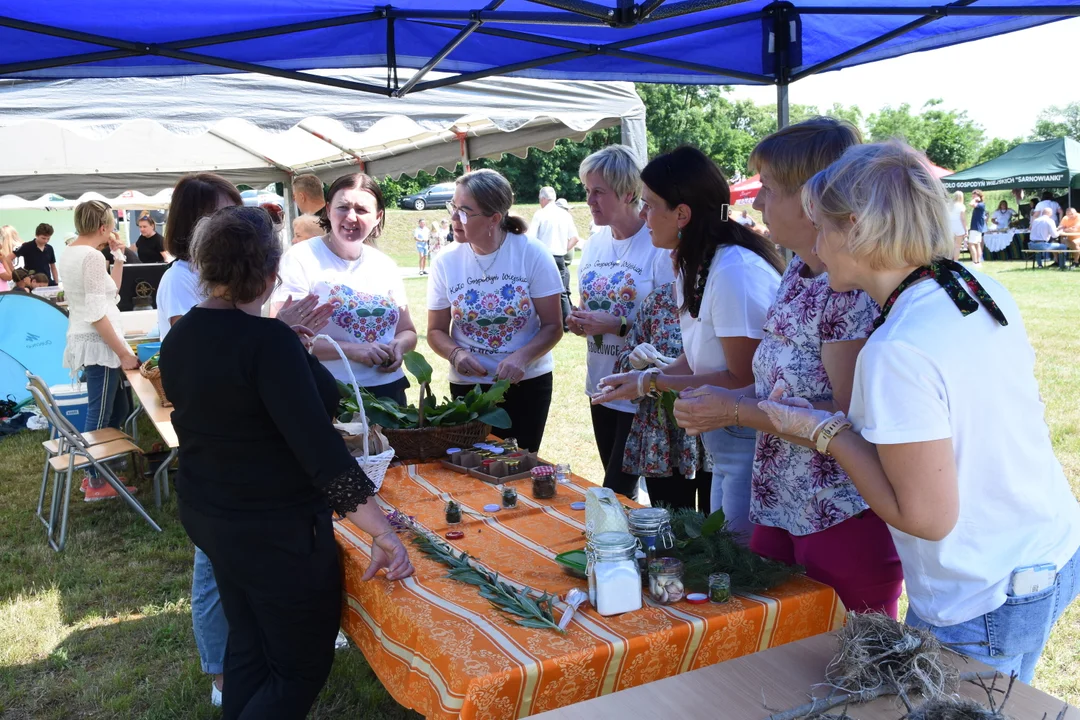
215 695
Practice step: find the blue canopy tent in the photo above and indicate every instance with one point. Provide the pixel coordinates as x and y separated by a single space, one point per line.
33 333
673 41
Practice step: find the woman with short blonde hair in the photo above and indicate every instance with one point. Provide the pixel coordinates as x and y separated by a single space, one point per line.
987 531
619 268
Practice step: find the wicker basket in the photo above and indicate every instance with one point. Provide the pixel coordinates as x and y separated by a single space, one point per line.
374 466
154 376
418 444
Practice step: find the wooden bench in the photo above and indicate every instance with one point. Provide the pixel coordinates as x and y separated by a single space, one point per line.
1030 255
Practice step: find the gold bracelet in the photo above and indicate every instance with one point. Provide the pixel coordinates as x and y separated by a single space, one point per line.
737 401
654 390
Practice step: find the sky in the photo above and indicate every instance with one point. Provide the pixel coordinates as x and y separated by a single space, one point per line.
998 97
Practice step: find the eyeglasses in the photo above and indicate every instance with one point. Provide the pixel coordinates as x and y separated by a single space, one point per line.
456 212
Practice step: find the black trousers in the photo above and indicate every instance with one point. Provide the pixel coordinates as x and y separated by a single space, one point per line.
280 584
564 272
675 491
393 391
527 403
611 428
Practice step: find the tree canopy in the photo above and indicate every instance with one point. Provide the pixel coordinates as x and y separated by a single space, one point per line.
727 129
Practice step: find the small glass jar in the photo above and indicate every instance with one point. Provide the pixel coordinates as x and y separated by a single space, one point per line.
666 580
562 473
652 528
453 513
719 587
513 466
486 464
543 482
510 444
614 581
509 497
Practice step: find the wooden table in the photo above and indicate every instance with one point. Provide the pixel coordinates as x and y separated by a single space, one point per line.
755 686
441 649
161 417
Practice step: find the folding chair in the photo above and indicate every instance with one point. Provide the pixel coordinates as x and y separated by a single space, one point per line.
56 445
80 456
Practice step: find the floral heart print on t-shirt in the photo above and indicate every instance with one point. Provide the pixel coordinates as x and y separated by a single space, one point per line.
613 293
492 318
368 318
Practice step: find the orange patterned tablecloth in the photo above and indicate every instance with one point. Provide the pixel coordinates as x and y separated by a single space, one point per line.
442 650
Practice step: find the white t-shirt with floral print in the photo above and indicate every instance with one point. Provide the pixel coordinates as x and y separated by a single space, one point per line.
491 300
614 277
368 292
796 488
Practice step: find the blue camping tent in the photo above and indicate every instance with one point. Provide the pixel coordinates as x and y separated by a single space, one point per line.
33 332
677 41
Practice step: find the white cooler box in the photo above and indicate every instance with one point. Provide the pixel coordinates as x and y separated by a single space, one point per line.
72 402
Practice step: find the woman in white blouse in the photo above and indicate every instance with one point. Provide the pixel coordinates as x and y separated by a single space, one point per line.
958 223
727 279
980 511
95 338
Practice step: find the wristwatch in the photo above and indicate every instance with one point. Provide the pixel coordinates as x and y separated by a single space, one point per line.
829 430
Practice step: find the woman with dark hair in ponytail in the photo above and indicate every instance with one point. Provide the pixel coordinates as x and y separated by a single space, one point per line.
493 304
727 277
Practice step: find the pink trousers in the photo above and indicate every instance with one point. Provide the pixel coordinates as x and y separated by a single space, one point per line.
856 558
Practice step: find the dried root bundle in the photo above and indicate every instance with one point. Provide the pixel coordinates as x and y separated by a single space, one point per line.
878 654
953 709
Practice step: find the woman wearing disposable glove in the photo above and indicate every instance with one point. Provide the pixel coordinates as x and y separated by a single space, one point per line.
987 530
657 448
804 508
727 279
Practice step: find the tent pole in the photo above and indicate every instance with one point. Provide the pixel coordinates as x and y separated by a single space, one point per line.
463 138
783 114
287 235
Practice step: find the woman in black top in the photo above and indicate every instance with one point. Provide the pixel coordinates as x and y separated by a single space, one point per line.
150 245
261 468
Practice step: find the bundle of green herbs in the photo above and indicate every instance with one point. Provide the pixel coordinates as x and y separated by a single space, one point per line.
475 405
706 546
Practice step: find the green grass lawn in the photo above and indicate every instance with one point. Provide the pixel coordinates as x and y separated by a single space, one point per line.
103 629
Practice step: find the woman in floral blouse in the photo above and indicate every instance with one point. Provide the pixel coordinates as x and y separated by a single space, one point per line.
657 448
804 507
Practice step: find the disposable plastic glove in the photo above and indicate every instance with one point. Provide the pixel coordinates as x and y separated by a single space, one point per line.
793 415
645 355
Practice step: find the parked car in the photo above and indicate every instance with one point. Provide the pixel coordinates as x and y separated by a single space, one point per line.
434 196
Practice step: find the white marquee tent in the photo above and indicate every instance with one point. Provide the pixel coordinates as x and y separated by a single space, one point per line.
141 134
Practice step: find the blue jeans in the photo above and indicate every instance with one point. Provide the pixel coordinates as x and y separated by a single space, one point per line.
107 403
1011 638
208 616
732 452
1046 256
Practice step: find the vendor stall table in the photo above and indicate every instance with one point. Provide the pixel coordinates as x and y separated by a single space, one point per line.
440 648
1004 244
753 687
161 417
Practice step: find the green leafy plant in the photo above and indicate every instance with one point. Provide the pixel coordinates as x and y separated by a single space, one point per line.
524 609
477 404
153 361
706 545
